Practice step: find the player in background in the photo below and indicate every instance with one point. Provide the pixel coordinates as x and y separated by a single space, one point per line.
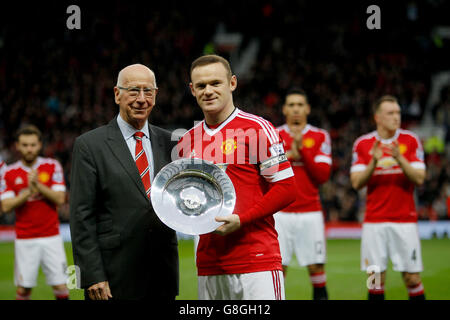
300 226
390 162
34 187
241 259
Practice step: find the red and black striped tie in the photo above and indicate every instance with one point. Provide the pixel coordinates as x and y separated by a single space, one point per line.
142 163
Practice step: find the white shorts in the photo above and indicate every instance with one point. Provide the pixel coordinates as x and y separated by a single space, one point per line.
302 234
264 285
399 242
30 253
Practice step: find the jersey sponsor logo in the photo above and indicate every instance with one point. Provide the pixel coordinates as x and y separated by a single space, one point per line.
388 171
386 163
228 146
43 177
309 143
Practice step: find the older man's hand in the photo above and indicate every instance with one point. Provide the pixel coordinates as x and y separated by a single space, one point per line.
99 291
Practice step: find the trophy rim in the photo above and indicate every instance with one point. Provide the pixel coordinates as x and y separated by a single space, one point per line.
171 215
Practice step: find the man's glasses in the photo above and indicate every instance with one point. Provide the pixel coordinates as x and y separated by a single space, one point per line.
134 92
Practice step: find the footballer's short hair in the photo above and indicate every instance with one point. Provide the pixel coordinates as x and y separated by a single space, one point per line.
386 98
210 59
296 90
29 130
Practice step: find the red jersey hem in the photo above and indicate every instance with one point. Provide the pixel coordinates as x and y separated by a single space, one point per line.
46 235
235 269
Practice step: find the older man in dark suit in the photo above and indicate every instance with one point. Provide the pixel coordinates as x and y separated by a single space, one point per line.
121 247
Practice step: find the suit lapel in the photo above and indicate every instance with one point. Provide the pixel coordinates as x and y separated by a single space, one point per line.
119 148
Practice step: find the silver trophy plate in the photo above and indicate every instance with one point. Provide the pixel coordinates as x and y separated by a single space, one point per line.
187 194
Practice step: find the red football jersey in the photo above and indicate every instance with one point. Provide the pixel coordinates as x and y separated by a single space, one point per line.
37 217
250 150
312 169
389 192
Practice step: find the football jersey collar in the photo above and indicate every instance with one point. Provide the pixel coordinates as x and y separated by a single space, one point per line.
33 167
387 141
305 129
212 132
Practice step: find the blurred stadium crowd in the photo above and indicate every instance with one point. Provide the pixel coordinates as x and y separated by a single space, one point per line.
62 80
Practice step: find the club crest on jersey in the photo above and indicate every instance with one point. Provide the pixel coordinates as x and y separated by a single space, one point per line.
402 148
228 146
308 143
43 177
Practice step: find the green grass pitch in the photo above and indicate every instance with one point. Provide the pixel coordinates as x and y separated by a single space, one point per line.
344 279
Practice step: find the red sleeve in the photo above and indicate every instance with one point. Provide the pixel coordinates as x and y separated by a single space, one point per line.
278 197
319 172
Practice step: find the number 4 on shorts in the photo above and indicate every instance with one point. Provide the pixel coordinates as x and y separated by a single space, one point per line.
413 256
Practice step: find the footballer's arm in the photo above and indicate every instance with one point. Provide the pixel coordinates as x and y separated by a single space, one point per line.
360 178
280 190
57 197
10 204
415 175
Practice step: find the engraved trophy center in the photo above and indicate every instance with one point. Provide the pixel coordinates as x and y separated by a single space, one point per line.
193 198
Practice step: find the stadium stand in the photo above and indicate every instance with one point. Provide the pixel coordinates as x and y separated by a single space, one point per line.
61 80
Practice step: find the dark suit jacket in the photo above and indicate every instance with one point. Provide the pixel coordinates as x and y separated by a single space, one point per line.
116 235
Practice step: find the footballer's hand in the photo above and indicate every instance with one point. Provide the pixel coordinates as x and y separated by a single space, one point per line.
298 138
394 149
231 224
377 152
32 182
99 291
296 146
32 177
